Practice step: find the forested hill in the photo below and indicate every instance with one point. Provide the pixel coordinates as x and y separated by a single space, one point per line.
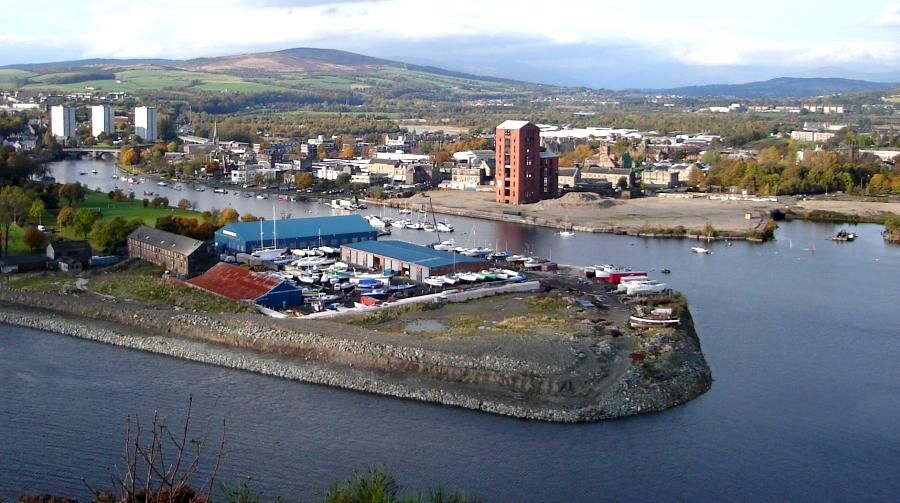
782 87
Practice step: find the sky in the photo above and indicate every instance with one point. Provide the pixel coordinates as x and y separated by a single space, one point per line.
595 43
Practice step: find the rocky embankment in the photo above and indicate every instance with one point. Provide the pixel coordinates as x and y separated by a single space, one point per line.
359 360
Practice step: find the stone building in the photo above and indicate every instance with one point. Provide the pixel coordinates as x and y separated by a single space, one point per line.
179 254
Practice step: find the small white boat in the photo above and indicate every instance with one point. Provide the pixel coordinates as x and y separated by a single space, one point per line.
428 227
377 222
701 250
308 262
434 280
566 230
450 279
400 224
469 277
405 211
416 226
639 322
309 278
445 245
444 227
479 251
642 287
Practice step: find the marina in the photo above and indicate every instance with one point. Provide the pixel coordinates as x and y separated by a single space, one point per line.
782 393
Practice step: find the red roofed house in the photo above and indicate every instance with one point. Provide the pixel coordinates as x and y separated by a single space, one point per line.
236 283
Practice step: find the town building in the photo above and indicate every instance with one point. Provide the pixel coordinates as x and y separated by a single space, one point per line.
569 177
595 174
525 174
179 254
407 259
102 120
145 123
242 285
77 251
62 122
246 237
812 136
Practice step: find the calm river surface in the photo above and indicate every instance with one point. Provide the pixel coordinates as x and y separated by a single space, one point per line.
802 334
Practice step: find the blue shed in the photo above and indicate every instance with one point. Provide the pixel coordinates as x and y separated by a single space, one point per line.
334 231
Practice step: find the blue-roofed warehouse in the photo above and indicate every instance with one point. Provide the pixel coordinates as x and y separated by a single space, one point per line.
294 233
410 260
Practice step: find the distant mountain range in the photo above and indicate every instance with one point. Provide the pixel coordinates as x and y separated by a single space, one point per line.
784 87
330 73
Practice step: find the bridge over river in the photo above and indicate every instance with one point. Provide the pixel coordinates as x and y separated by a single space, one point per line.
106 153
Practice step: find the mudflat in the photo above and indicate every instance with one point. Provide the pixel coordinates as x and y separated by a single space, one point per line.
589 212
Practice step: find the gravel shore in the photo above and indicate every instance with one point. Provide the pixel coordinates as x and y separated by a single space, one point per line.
364 361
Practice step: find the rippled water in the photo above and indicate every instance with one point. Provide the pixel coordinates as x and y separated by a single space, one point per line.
803 345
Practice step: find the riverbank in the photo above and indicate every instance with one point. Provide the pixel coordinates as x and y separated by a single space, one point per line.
690 218
561 377
648 217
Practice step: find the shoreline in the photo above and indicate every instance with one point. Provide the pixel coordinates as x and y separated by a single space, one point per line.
484 383
653 232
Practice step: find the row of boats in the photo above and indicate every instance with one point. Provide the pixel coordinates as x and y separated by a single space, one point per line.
627 281
406 223
493 274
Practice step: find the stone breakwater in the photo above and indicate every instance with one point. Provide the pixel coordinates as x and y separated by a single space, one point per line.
484 382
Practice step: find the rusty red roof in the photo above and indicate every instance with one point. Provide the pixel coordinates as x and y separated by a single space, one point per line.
235 282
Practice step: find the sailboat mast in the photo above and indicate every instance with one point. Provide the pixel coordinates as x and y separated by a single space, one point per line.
274 233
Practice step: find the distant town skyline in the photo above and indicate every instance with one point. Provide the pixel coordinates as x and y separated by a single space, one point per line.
596 43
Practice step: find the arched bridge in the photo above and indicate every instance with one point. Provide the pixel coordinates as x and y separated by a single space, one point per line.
95 152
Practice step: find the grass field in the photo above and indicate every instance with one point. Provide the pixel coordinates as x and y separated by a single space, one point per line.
130 281
126 209
8 78
144 282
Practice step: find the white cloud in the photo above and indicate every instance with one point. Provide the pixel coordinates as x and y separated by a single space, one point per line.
563 35
889 16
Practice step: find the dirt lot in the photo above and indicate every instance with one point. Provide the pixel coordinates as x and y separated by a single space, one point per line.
605 214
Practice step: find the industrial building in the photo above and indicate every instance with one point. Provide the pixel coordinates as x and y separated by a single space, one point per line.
525 174
62 122
145 123
409 260
179 254
242 285
311 232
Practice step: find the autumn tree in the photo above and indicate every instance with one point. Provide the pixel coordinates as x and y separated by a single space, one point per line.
347 151
34 239
65 217
129 156
13 204
84 220
577 156
72 192
228 215
36 211
303 180
185 204
620 147
249 217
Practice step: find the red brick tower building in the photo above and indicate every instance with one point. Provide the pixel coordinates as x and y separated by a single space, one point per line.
524 174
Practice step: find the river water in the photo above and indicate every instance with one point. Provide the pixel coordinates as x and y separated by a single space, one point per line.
802 334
